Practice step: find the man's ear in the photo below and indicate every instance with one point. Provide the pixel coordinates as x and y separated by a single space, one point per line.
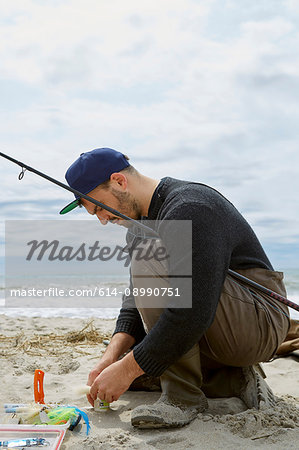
119 181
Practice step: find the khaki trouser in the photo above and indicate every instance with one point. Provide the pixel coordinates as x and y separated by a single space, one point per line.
291 342
247 329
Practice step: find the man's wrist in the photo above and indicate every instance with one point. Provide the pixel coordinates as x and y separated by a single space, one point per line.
131 366
119 344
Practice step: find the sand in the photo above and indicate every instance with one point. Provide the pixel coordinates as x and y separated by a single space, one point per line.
55 346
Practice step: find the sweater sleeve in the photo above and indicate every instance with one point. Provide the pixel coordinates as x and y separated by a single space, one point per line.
129 320
178 329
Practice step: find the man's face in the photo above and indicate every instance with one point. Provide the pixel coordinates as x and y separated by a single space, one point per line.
122 201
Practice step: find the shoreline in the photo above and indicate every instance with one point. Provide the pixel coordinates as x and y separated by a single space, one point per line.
104 312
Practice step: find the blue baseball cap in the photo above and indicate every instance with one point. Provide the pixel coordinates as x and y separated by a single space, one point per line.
91 169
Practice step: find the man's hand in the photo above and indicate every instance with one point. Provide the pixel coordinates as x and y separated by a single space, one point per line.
102 364
115 379
120 343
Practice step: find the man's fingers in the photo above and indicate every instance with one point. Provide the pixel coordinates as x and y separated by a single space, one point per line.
92 376
108 398
97 392
93 392
90 399
102 394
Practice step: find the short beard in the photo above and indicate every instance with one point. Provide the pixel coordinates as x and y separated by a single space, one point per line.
127 204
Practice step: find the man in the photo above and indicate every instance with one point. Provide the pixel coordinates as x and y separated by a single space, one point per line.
211 349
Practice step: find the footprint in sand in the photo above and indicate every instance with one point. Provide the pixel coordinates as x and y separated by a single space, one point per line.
68 366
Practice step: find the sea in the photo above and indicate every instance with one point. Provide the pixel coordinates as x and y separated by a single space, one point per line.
107 301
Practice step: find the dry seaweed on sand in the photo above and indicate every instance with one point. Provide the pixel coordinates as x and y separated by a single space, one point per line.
53 343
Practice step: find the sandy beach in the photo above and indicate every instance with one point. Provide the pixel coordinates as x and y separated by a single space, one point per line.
66 349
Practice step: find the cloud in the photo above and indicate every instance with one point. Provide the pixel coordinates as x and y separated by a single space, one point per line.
93 43
199 90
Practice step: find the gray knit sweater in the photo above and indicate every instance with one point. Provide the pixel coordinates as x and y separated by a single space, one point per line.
222 239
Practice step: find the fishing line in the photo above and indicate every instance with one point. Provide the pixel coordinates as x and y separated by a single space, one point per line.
153 234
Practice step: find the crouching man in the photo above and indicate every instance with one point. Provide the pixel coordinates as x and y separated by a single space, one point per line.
211 349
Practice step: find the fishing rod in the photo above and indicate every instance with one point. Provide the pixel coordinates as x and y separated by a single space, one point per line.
77 193
155 235
263 289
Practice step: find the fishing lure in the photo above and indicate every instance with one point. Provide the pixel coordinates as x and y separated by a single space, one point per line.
23 443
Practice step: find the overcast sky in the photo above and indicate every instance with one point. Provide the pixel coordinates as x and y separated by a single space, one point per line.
205 90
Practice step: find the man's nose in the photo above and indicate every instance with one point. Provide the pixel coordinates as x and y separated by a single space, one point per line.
103 217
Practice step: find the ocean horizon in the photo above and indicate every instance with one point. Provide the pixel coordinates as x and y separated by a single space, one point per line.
108 305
